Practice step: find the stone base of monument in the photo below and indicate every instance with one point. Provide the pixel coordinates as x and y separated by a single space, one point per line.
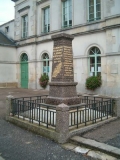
66 100
63 92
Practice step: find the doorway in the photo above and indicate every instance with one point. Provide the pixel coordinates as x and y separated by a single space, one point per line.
24 70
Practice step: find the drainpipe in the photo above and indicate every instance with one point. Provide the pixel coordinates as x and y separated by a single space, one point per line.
35 45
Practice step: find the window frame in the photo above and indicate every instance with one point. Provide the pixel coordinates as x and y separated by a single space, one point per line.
24 57
47 30
67 12
95 18
45 64
96 64
24 27
7 29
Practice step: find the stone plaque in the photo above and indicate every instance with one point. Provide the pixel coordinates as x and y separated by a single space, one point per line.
114 69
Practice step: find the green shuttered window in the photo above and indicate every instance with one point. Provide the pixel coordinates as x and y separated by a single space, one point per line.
67 13
46 19
95 61
94 10
45 58
25 26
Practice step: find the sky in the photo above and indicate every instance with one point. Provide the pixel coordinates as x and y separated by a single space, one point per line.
6 11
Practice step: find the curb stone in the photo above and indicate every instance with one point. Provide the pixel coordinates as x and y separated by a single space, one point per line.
88 152
113 151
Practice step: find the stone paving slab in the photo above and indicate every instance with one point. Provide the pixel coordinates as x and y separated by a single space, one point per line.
82 150
100 156
88 152
69 146
96 145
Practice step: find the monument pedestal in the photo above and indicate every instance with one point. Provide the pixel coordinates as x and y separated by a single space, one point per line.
62 85
63 92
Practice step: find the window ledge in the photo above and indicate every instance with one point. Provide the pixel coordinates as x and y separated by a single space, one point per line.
24 38
66 28
45 33
94 21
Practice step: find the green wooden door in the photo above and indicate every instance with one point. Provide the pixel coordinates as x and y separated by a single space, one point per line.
24 71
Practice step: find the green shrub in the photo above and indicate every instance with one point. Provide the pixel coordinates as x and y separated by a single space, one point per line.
93 82
43 80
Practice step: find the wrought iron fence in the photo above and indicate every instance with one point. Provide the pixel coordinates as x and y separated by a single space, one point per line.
91 110
35 110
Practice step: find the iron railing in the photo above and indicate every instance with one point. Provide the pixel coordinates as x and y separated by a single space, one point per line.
91 110
35 110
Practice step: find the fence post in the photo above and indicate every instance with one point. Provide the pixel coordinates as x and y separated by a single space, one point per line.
62 122
8 106
116 107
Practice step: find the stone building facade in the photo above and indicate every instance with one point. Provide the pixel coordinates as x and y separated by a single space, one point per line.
95 25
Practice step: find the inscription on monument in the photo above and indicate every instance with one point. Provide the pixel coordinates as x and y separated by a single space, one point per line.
62 58
57 54
57 60
68 62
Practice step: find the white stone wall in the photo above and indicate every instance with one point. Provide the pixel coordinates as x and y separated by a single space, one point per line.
111 7
8 72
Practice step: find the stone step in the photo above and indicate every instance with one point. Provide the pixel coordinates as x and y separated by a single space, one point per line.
94 145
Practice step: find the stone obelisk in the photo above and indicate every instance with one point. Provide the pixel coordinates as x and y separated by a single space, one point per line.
62 85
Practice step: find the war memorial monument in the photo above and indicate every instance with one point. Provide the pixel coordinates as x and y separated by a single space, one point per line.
62 85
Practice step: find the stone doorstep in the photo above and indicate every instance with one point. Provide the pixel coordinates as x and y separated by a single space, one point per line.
96 145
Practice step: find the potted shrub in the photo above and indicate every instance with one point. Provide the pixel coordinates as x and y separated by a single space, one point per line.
93 82
43 80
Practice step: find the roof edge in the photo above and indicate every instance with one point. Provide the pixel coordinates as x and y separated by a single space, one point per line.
7 22
14 0
7 45
8 38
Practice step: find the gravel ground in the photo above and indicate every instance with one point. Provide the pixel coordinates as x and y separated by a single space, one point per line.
108 133
19 144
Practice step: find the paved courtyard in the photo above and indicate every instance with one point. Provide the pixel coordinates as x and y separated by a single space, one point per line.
19 144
